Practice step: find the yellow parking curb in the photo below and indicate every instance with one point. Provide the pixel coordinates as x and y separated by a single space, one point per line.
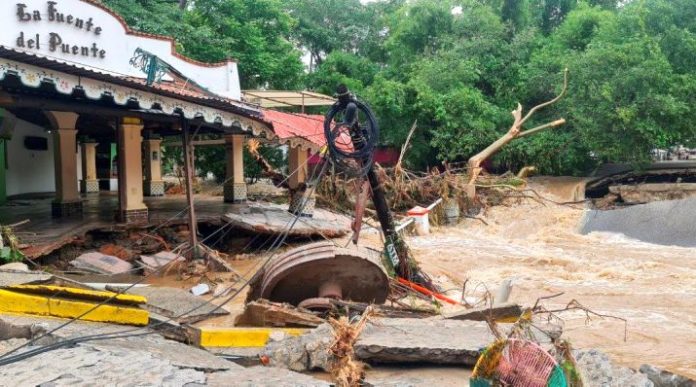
96 295
240 337
71 303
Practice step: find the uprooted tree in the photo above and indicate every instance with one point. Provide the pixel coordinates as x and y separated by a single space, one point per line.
515 132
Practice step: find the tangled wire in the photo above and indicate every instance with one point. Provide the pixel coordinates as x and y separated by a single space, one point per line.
352 134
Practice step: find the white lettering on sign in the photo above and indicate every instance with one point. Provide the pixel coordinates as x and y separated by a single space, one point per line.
54 42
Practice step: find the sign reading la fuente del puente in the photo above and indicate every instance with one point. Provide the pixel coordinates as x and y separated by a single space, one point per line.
54 41
87 34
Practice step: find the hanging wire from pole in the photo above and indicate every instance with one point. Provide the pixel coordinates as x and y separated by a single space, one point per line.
6 359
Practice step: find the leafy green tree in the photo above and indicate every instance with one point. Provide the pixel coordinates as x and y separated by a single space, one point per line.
458 67
343 68
551 13
255 32
515 12
327 25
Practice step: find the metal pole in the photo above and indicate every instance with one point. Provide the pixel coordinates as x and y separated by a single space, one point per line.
397 251
188 170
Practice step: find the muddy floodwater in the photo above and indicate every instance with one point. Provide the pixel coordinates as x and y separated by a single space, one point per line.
539 247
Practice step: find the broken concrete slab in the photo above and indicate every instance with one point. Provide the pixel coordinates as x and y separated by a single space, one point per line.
16 266
273 220
138 360
389 340
88 365
497 312
664 378
170 329
260 376
178 304
99 263
415 376
146 359
244 356
596 369
307 352
423 341
156 262
10 331
19 277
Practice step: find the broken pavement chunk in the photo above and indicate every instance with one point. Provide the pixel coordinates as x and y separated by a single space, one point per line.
13 277
430 341
389 340
178 304
596 369
99 263
15 266
154 263
273 220
259 376
664 378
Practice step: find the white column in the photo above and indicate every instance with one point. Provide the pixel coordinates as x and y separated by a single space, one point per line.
235 188
132 209
89 182
153 184
67 201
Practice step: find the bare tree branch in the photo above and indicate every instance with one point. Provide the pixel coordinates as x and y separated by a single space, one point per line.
551 102
514 132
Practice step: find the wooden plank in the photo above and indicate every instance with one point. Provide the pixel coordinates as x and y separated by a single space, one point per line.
499 313
262 313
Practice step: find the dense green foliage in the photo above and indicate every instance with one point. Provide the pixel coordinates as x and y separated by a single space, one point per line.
459 67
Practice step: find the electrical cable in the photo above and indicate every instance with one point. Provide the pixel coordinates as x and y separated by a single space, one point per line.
351 143
279 241
116 294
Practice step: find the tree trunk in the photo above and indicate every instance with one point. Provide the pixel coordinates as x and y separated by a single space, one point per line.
514 132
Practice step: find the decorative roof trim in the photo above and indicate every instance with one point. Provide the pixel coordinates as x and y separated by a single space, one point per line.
66 84
96 89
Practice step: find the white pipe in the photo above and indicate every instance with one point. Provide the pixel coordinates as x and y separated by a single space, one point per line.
404 224
438 201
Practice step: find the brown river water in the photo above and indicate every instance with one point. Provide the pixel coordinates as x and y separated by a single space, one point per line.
538 247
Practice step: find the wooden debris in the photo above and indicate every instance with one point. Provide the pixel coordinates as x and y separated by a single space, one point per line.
263 313
497 313
384 310
346 370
